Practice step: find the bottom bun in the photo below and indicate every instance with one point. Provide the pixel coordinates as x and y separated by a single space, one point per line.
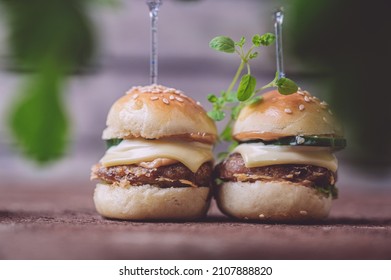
272 201
149 202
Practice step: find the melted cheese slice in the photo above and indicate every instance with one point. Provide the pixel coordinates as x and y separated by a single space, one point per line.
191 154
258 154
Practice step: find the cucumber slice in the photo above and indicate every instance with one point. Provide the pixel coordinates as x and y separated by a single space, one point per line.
335 143
113 142
328 191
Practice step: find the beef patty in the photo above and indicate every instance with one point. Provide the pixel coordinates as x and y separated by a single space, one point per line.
233 169
174 175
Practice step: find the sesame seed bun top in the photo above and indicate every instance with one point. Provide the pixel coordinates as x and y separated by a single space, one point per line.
277 116
154 112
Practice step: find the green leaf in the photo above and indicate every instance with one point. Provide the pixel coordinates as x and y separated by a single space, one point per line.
216 115
222 44
246 87
220 101
113 142
286 86
253 55
231 97
267 39
212 98
256 40
37 119
241 42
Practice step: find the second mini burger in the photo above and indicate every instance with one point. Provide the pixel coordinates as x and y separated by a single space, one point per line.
284 168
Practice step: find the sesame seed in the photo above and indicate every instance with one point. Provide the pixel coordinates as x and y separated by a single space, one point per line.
301 107
153 98
330 112
198 103
172 97
135 96
165 101
306 99
307 93
303 212
325 120
261 216
300 92
179 99
288 111
324 104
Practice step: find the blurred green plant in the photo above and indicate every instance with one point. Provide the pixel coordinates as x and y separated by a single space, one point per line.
348 43
50 39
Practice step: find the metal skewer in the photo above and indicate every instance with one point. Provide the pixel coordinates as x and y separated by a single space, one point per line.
278 21
154 6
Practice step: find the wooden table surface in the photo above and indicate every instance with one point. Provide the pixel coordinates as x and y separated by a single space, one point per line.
54 222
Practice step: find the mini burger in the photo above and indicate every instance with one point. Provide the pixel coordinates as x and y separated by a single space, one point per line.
159 163
284 168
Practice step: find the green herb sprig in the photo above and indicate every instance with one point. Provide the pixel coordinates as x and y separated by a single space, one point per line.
233 101
60 42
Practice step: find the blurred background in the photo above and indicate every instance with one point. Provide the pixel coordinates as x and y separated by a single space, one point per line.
64 62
